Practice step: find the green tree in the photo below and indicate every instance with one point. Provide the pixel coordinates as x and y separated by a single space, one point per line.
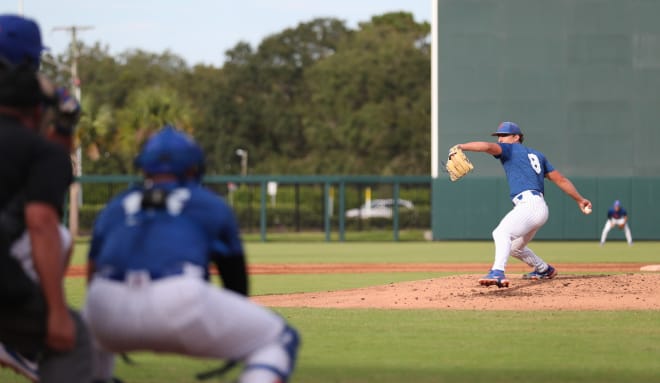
124 99
265 94
146 111
370 102
316 98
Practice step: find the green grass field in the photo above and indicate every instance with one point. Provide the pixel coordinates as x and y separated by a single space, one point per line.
373 345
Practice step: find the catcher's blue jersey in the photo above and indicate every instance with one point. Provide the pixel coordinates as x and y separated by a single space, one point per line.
525 168
193 225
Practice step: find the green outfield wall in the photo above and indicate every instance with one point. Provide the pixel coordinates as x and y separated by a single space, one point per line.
580 77
472 207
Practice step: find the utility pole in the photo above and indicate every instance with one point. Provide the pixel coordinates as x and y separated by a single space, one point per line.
75 192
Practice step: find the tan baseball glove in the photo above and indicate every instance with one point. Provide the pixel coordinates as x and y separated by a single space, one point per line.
458 164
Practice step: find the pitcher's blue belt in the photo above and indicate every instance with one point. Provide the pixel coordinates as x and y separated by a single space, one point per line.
525 193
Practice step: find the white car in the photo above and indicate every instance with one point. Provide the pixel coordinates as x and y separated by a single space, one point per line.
378 208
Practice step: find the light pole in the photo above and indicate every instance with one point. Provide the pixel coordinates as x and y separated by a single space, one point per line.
244 160
75 191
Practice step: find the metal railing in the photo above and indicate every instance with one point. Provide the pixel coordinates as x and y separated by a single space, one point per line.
308 199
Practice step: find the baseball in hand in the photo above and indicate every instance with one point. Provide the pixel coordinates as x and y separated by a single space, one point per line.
587 210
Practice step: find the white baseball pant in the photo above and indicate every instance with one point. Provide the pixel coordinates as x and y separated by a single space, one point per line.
517 228
616 222
187 315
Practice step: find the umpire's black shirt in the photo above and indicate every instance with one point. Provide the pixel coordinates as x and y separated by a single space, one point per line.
32 165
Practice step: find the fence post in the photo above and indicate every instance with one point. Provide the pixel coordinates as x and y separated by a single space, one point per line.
262 219
342 209
395 211
326 210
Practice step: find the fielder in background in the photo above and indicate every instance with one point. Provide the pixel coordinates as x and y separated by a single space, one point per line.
149 273
35 323
526 170
617 216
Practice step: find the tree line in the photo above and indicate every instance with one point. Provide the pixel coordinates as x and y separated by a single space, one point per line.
319 98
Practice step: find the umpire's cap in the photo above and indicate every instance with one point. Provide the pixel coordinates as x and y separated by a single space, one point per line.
171 151
507 127
20 41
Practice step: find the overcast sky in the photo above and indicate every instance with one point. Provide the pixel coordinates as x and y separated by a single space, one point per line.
200 31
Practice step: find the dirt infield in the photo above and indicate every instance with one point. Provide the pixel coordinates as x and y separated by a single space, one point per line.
322 268
576 288
606 286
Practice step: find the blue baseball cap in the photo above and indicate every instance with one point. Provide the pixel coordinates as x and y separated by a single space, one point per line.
617 203
507 127
20 40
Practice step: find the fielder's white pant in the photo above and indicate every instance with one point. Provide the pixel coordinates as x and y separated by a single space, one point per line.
616 222
187 315
517 228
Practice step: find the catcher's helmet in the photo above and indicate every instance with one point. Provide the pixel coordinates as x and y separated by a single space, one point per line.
171 151
20 41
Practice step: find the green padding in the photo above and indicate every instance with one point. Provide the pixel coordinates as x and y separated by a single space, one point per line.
472 207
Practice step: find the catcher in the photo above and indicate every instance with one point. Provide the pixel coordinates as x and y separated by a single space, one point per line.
150 287
526 170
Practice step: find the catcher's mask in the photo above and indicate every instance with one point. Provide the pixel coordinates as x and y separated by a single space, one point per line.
171 151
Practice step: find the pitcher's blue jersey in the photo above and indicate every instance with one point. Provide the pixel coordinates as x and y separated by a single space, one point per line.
525 168
194 226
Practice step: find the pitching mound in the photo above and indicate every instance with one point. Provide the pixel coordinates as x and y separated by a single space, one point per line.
631 291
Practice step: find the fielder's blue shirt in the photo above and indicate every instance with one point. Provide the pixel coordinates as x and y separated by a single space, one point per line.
525 168
194 226
613 213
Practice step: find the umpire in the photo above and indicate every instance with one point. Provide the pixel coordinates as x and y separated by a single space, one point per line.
34 318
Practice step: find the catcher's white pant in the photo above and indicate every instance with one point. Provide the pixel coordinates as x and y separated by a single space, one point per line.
616 222
187 315
21 249
517 228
